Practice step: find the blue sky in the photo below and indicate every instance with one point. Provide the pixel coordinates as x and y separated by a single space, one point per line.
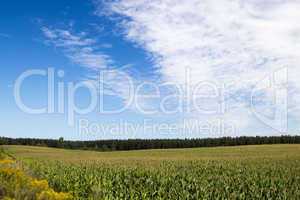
227 53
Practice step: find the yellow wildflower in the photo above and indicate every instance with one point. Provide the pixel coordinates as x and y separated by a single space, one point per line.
52 195
6 162
16 180
39 185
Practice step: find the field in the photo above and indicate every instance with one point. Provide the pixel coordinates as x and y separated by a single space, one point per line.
244 172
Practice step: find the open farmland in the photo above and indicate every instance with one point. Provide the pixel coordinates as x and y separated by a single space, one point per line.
239 153
244 172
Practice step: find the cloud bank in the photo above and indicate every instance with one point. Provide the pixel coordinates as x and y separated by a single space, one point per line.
239 41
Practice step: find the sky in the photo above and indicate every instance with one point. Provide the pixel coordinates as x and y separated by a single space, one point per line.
119 69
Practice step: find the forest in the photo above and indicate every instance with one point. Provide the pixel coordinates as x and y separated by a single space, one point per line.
140 144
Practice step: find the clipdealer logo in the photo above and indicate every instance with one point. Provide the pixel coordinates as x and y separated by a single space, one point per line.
62 96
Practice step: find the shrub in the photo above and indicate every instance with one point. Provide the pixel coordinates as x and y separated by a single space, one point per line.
15 184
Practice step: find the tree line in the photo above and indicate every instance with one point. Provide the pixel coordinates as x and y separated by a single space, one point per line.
139 144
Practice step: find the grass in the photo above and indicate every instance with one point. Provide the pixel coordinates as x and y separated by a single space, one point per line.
244 172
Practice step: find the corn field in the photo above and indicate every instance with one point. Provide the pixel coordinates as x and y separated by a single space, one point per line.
272 174
193 180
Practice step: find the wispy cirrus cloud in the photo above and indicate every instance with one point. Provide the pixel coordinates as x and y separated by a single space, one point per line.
78 47
85 51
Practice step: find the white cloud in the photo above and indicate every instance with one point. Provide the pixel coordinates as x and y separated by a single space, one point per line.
78 47
84 51
239 40
211 35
